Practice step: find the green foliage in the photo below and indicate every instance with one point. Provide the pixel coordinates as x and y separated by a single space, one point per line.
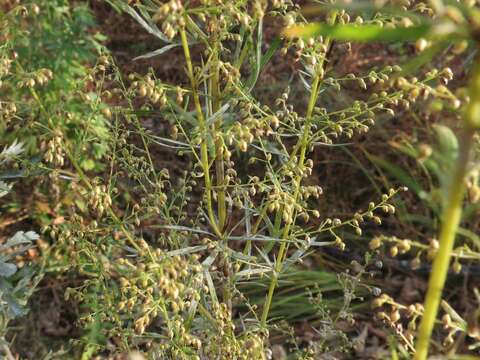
44 73
52 52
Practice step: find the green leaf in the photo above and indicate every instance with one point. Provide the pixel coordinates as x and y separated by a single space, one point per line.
447 141
157 52
7 269
474 238
257 59
262 59
146 22
361 33
273 47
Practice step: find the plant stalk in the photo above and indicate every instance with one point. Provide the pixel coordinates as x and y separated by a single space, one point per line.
219 165
203 129
303 145
451 217
220 170
298 180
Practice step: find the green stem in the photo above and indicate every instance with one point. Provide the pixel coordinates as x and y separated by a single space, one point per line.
220 170
451 217
276 229
243 55
303 150
203 128
219 165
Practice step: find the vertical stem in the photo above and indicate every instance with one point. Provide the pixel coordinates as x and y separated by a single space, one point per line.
451 217
298 180
219 166
203 129
275 231
220 171
303 145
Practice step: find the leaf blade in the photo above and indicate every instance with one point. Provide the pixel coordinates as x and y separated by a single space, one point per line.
357 32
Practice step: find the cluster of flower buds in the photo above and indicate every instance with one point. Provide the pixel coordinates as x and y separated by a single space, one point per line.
5 66
233 15
54 153
8 109
373 78
103 62
311 191
361 115
371 213
160 282
39 77
249 346
243 133
278 4
403 246
454 323
150 89
415 89
242 18
183 338
170 14
285 201
392 313
100 199
229 73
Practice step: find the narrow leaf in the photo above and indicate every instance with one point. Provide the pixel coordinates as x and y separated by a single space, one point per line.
218 114
144 23
361 33
157 52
